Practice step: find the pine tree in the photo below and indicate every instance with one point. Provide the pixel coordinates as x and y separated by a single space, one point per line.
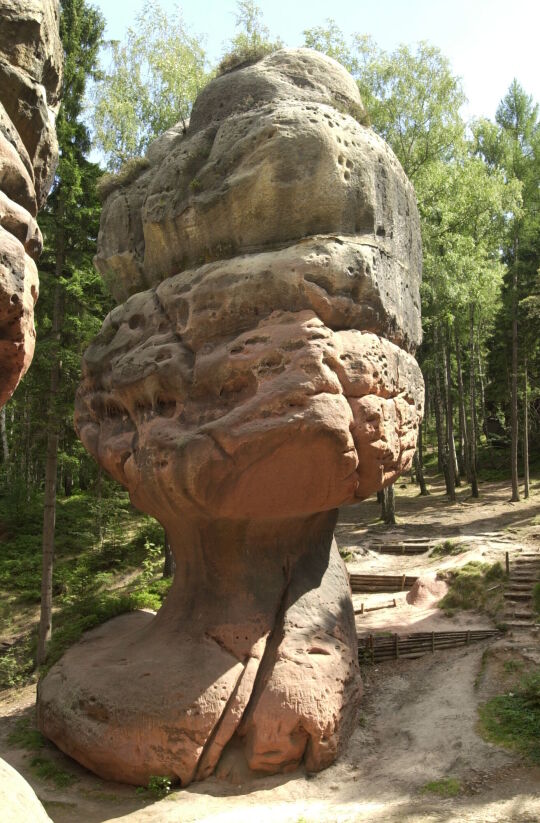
69 226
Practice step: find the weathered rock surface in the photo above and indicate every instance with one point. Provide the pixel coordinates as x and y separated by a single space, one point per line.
241 401
30 77
267 161
18 800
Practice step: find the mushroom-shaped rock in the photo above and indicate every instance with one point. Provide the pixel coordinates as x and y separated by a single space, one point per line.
30 77
258 375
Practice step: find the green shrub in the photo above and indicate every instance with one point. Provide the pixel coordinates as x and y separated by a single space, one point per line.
17 664
158 786
244 55
447 549
470 587
127 174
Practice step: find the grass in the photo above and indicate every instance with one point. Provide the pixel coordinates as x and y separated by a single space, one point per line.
48 770
512 720
445 787
482 670
26 736
245 55
127 174
97 543
536 598
447 549
471 587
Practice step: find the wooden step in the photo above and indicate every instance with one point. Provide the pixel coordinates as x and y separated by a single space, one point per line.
514 625
371 583
525 578
397 549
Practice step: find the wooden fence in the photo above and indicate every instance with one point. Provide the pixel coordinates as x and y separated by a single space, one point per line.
376 648
381 582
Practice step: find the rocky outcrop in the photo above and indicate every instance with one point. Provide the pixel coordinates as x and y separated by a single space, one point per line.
30 77
241 400
18 800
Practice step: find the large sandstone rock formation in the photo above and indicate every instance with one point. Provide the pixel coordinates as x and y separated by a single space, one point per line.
18 801
257 376
30 77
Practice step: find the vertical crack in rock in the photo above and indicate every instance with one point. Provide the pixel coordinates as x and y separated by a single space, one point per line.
220 736
269 657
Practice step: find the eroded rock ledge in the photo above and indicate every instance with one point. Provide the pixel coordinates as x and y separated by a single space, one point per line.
30 78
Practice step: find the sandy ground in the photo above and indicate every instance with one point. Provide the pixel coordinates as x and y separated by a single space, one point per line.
419 716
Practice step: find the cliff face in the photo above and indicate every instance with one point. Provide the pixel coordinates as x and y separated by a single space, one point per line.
30 79
258 375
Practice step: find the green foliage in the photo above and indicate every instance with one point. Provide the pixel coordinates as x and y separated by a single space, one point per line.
26 736
49 770
16 665
150 84
447 549
513 666
159 786
445 787
469 588
88 583
513 719
251 43
129 172
536 598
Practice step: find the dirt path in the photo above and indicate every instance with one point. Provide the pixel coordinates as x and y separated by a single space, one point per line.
418 724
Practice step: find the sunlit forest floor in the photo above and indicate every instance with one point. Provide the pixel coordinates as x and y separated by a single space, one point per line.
419 752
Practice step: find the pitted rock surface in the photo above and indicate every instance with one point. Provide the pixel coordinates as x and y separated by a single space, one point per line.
258 375
267 161
30 79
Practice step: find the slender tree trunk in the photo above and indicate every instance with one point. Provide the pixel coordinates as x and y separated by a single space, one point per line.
481 384
441 441
525 435
419 464
49 510
3 434
389 516
472 394
168 562
27 457
99 505
450 411
514 408
427 405
381 500
463 438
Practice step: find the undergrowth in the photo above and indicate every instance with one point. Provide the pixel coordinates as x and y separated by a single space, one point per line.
97 543
513 719
474 586
447 549
26 736
49 770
